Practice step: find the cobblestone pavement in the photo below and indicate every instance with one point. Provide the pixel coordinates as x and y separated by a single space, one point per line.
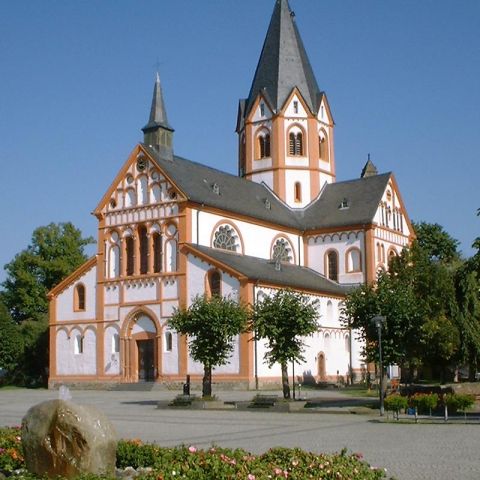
408 452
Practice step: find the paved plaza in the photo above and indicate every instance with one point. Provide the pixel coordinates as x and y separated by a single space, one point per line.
408 452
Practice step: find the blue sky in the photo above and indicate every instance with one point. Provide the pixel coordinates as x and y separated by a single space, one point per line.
76 80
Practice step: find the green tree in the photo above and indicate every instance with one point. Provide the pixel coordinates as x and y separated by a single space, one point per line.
212 324
11 342
283 319
56 250
436 242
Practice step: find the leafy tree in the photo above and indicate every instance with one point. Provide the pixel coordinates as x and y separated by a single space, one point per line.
11 342
436 242
282 320
212 325
55 251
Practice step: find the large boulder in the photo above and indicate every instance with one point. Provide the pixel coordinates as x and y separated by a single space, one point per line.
61 438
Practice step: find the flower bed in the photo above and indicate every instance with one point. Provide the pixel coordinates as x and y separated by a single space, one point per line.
188 462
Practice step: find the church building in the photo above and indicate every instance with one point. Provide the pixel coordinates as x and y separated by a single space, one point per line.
170 229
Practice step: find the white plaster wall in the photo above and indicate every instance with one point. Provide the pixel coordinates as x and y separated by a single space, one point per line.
197 270
110 313
112 294
65 300
112 358
260 165
264 177
341 242
170 288
257 239
140 291
168 307
293 176
170 359
69 363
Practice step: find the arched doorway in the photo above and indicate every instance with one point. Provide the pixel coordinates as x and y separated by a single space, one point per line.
321 367
142 349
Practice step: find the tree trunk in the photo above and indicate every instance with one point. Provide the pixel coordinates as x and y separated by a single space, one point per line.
207 381
285 385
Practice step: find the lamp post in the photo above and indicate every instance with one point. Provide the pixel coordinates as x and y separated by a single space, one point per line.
378 321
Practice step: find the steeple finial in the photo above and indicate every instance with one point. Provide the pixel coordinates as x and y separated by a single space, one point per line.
284 63
157 132
369 170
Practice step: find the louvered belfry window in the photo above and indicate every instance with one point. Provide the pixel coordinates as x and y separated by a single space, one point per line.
295 144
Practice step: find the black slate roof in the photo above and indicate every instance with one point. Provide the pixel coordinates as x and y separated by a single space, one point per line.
239 196
255 268
341 204
284 64
158 113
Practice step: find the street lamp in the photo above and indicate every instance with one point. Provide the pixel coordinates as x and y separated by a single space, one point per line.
378 321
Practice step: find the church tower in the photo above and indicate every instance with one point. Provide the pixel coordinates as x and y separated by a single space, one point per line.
157 132
285 127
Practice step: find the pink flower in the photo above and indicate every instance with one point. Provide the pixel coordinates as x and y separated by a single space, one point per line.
192 449
251 477
278 471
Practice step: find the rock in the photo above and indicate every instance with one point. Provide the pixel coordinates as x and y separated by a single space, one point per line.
60 438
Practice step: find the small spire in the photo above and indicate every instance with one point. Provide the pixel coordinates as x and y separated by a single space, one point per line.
369 170
157 132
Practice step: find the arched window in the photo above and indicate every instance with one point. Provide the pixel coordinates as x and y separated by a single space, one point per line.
78 345
263 145
114 262
168 341
155 194
354 260
329 311
115 343
323 147
171 251
382 248
297 192
347 343
295 144
225 238
326 342
157 253
332 265
129 252
142 190
130 199
214 283
143 244
282 250
79 298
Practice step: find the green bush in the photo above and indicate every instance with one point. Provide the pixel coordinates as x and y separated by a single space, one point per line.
395 403
11 453
188 462
457 402
424 402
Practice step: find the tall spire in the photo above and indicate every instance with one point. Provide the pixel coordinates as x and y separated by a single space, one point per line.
284 63
158 132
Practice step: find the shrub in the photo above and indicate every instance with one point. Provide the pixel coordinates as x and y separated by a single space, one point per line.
188 462
457 402
11 453
395 403
424 402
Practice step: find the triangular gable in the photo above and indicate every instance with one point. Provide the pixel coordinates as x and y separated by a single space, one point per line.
252 109
328 110
394 185
295 92
129 165
72 278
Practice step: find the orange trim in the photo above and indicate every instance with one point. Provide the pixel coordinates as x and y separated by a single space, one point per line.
65 283
370 273
246 343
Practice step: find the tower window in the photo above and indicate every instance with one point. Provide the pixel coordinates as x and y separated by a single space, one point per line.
297 194
295 106
262 109
332 265
322 147
295 144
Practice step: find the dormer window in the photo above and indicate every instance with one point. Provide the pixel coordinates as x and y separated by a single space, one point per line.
344 204
268 205
216 188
